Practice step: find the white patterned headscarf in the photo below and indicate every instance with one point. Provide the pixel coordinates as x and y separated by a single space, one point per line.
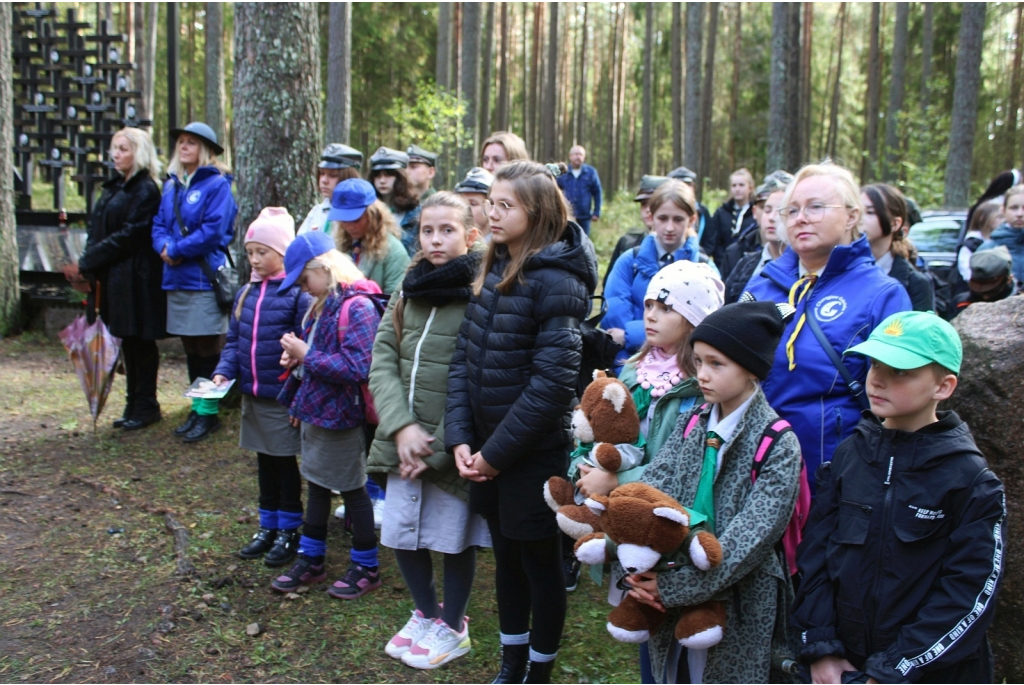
692 289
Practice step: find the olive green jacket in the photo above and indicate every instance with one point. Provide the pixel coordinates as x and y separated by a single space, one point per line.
389 270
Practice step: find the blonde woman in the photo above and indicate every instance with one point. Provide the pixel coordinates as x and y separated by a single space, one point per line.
118 259
502 147
191 233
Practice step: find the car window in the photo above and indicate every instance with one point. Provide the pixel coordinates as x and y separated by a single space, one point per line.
937 235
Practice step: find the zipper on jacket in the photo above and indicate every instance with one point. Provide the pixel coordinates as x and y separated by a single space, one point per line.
252 344
416 358
869 645
483 342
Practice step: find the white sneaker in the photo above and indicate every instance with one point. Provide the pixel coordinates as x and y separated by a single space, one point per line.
440 645
411 633
340 511
378 513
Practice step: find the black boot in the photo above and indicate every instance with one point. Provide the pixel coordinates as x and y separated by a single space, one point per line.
262 542
539 671
285 547
204 425
119 423
189 424
514 660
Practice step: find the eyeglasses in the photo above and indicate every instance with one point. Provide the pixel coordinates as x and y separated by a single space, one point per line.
500 209
813 212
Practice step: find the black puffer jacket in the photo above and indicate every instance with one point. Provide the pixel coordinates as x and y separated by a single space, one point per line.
918 285
722 235
513 375
740 275
119 255
903 555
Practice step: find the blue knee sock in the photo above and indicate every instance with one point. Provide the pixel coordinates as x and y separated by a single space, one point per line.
269 519
367 558
308 547
289 520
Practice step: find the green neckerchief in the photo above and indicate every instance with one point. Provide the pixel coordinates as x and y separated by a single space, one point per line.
585 448
704 501
642 398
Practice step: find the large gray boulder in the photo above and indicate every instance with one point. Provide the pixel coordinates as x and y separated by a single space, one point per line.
990 398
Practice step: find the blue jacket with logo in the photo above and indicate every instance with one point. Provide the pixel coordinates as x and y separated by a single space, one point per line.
627 286
208 209
849 300
582 192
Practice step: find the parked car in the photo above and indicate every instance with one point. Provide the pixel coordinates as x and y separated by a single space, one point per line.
937 236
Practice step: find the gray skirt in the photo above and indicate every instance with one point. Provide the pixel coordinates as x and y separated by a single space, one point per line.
420 515
265 428
334 459
194 312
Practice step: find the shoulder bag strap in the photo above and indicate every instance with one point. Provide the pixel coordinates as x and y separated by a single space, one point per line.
856 387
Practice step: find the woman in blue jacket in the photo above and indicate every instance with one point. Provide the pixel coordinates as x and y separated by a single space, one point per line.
827 273
674 209
195 225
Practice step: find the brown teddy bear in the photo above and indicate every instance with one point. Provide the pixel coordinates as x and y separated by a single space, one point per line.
646 529
607 427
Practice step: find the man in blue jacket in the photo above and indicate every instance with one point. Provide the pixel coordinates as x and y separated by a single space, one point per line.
582 188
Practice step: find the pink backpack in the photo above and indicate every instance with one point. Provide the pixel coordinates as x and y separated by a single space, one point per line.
370 290
795 529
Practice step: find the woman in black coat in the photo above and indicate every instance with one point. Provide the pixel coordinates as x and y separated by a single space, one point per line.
127 273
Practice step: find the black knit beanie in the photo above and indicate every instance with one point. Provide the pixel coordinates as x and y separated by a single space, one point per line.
746 332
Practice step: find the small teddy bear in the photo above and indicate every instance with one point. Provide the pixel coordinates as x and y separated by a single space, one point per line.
646 529
608 429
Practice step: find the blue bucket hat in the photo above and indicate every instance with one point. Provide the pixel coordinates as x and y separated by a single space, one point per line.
350 199
304 248
203 132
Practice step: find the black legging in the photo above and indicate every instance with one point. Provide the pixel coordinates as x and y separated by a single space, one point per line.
141 364
202 352
357 505
280 483
528 576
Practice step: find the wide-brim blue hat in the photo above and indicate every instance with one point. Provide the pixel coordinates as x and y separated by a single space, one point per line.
304 248
203 132
350 199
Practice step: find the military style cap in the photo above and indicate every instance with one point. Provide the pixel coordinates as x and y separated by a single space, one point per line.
478 180
386 158
418 154
773 183
203 132
683 174
988 265
338 156
648 184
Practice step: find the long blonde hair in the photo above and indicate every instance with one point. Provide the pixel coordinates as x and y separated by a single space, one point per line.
375 243
343 271
143 151
206 158
547 214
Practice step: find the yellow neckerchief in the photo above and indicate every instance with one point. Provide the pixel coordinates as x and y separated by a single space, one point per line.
808 281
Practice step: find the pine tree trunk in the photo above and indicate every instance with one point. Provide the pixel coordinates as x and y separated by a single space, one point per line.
488 70
694 40
613 99
128 10
927 44
833 119
707 100
524 100
10 290
339 73
965 105
277 116
778 109
675 46
549 107
793 92
897 81
581 105
442 69
214 80
533 109
503 75
874 97
1010 155
470 85
806 90
648 90
734 99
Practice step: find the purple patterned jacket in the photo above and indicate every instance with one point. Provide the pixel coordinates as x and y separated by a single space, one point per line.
328 394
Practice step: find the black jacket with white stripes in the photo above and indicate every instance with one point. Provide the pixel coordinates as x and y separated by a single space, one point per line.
902 555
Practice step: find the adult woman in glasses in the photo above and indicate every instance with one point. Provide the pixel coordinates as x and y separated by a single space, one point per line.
827 273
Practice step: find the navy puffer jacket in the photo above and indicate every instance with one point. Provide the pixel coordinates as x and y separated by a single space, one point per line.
265 317
513 375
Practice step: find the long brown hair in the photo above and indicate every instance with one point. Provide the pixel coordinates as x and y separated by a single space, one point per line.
547 214
375 242
448 200
402 198
890 204
683 351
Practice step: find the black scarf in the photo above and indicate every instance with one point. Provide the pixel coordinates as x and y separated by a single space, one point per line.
439 285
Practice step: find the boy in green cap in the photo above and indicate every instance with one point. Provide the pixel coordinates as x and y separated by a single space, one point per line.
902 555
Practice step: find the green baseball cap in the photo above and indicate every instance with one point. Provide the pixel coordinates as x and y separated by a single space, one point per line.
910 340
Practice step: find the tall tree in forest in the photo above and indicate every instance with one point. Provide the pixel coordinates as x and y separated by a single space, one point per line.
646 165
488 70
694 39
793 92
707 100
806 90
580 132
534 105
613 99
276 105
897 82
965 105
874 97
145 55
778 102
503 75
339 73
443 67
10 290
470 83
1009 149
734 96
548 108
833 117
214 78
675 46
927 44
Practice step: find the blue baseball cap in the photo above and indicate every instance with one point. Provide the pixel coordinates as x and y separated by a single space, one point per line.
350 199
304 248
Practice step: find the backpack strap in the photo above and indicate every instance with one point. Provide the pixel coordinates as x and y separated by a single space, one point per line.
694 419
771 433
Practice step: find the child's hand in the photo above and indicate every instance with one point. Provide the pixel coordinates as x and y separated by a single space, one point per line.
618 335
830 669
596 481
219 380
486 471
295 347
287 361
294 421
413 443
412 468
464 462
645 589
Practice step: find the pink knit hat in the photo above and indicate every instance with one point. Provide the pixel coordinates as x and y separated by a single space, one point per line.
274 227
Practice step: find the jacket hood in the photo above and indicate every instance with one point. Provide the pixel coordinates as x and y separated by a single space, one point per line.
786 269
949 437
573 252
1007 235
